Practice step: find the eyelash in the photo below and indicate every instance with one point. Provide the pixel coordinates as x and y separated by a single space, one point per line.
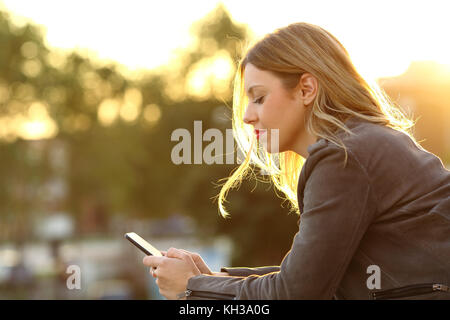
259 100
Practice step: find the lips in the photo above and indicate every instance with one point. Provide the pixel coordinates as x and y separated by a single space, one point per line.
259 132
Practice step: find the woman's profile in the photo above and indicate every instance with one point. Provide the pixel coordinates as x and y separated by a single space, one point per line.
374 205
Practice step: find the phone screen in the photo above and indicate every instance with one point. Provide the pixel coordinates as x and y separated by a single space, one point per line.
146 247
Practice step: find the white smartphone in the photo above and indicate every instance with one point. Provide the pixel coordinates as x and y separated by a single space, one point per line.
143 245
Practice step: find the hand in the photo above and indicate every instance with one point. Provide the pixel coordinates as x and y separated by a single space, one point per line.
172 271
199 262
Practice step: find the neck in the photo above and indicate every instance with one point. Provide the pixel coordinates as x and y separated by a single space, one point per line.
303 142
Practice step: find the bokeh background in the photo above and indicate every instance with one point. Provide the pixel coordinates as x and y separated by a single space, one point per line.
90 93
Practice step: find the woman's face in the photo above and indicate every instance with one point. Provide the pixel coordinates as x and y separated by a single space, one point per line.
270 107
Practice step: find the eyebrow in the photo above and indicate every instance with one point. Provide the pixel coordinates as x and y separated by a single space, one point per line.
250 90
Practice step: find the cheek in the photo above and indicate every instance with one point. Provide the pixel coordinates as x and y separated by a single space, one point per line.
280 112
273 113
289 120
279 129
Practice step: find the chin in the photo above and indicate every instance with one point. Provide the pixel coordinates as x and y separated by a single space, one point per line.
271 144
271 150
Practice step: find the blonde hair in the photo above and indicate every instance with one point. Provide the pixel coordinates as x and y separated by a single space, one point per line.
342 92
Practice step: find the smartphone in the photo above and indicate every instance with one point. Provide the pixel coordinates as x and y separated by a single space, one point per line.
143 245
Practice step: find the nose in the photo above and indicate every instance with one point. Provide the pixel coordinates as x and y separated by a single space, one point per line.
250 116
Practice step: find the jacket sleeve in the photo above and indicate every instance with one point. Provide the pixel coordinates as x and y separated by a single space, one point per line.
338 207
245 272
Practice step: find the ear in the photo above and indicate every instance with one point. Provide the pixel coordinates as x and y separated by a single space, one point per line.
307 88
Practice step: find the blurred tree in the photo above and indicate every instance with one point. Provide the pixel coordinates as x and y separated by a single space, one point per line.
260 228
118 136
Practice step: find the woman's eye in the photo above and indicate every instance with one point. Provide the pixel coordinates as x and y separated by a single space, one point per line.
259 100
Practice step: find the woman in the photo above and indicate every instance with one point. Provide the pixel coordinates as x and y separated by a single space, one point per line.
374 205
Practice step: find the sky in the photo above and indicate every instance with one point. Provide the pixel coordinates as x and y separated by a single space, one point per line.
382 37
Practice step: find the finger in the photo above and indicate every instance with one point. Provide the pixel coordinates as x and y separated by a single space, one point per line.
179 254
163 253
186 252
194 256
197 260
176 253
152 261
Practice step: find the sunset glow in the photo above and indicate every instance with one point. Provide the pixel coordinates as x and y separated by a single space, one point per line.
382 37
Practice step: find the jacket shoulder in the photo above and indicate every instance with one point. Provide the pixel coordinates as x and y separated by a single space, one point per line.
368 140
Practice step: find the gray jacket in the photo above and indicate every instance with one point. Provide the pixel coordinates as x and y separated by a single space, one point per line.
378 228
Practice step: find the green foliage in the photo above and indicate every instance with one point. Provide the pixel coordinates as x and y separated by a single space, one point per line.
126 166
